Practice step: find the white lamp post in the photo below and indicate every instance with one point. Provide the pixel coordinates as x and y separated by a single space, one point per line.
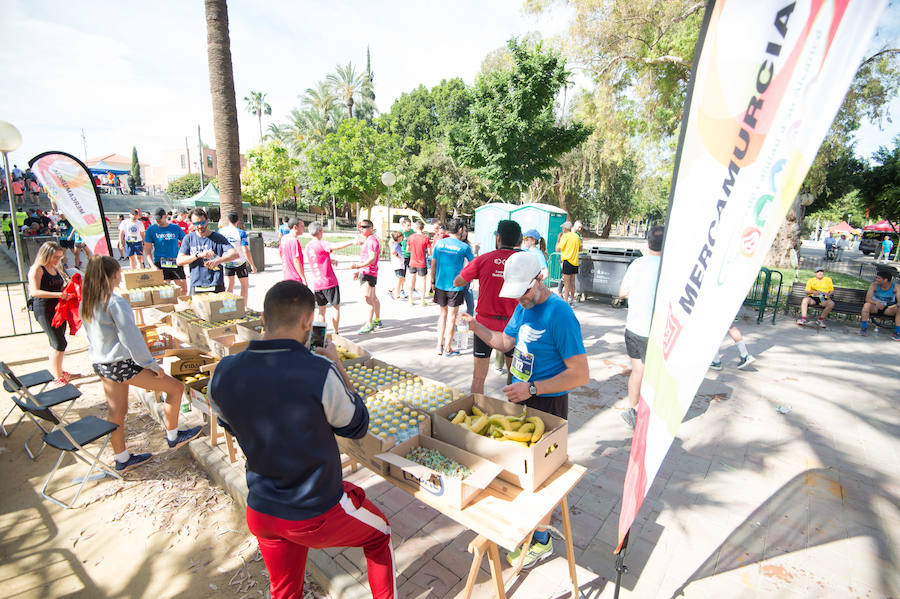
388 178
10 140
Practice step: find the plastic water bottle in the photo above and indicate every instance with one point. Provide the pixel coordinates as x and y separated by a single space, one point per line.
461 338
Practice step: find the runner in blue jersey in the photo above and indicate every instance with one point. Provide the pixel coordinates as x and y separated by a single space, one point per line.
161 242
449 256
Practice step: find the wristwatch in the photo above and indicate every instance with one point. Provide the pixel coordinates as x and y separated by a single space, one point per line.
532 389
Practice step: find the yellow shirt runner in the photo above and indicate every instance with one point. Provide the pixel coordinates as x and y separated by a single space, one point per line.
569 245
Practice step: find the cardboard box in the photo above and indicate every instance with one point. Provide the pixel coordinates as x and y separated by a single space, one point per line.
199 332
218 307
527 467
167 294
226 345
142 277
249 331
342 343
179 362
457 493
138 298
365 449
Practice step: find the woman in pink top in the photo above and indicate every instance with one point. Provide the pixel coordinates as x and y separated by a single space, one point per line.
367 273
322 279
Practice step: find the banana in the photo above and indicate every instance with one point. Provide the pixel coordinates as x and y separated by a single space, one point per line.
538 428
528 427
460 417
479 424
515 425
517 436
476 411
501 420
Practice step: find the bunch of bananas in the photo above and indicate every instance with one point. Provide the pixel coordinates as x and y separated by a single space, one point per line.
187 379
518 429
344 354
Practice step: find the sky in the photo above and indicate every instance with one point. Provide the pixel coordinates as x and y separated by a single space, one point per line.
131 74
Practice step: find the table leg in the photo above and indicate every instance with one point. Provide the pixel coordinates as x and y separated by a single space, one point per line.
570 546
477 548
496 571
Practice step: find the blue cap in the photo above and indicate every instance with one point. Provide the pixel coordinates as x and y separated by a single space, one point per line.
533 233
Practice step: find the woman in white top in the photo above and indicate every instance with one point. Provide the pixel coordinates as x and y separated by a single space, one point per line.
120 358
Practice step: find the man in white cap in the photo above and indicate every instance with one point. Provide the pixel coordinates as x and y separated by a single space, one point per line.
549 358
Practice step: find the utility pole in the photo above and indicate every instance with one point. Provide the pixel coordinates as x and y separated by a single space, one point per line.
200 146
84 144
187 150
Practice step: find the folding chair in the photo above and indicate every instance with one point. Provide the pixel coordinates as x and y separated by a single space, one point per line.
43 400
32 379
71 438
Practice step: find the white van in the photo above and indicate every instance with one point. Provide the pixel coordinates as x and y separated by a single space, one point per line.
379 218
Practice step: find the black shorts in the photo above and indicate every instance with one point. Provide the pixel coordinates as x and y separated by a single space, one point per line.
400 273
558 405
635 346
67 243
329 297
568 268
480 349
134 248
418 271
449 298
171 274
44 310
406 263
118 372
370 279
817 301
242 271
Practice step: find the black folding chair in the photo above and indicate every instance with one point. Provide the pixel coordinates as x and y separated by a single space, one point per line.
32 379
43 400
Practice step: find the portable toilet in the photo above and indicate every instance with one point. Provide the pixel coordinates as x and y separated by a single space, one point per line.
486 219
545 218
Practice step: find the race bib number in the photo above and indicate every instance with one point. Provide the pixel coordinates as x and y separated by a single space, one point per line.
522 365
168 263
132 238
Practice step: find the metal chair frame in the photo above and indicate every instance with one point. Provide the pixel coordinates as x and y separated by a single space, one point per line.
32 379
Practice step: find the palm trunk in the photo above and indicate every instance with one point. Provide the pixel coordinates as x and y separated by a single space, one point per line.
224 106
259 116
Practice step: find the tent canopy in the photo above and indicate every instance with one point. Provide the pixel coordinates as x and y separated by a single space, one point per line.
843 227
208 196
880 226
101 168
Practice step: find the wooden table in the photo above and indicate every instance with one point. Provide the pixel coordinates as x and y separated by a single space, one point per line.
506 515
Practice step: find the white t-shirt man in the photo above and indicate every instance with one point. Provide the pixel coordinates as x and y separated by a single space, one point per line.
132 229
640 285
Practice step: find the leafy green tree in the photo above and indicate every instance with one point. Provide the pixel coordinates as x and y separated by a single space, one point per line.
188 185
425 116
435 184
256 104
270 176
880 186
349 162
511 136
351 86
135 167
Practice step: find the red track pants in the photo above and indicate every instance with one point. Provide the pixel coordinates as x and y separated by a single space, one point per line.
353 522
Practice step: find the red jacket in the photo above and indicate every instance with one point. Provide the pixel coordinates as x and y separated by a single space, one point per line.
67 310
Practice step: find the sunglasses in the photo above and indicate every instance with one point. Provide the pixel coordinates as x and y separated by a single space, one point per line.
364 226
200 223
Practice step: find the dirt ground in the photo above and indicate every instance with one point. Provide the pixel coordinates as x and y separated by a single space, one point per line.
166 531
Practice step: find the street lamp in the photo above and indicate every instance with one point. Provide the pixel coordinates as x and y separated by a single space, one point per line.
388 178
10 140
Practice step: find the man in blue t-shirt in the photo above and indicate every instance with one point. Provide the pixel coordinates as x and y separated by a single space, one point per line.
449 256
549 358
283 228
205 251
161 241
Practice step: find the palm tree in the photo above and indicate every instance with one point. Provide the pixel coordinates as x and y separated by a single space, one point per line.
322 97
224 105
351 86
256 104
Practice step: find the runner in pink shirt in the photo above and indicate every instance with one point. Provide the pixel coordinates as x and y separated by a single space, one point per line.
321 273
367 273
292 253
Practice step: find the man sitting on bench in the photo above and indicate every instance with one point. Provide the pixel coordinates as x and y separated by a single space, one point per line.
818 293
881 300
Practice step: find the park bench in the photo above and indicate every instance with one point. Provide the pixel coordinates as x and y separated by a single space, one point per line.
846 301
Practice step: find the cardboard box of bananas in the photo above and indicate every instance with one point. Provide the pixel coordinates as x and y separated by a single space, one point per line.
519 429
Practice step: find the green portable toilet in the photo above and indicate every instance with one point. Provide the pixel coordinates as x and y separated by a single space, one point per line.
486 219
545 218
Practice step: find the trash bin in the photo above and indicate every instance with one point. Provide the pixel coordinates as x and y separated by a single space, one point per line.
257 249
602 269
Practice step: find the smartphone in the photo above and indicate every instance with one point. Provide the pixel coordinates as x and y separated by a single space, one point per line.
317 335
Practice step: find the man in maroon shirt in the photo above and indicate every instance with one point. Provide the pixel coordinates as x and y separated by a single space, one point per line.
418 244
492 310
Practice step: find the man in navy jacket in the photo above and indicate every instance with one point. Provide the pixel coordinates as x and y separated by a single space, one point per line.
284 404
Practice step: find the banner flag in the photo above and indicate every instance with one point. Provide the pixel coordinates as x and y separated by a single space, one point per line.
768 80
71 188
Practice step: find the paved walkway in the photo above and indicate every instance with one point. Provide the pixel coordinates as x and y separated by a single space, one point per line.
748 503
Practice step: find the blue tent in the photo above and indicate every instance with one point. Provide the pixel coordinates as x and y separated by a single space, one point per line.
101 168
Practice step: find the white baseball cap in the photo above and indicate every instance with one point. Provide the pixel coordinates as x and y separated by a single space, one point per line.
520 270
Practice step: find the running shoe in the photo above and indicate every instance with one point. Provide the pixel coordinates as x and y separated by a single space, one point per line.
366 328
536 552
746 361
403 295
132 461
863 332
424 302
499 370
391 294
821 324
895 337
630 417
801 322
715 366
451 353
377 323
184 436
